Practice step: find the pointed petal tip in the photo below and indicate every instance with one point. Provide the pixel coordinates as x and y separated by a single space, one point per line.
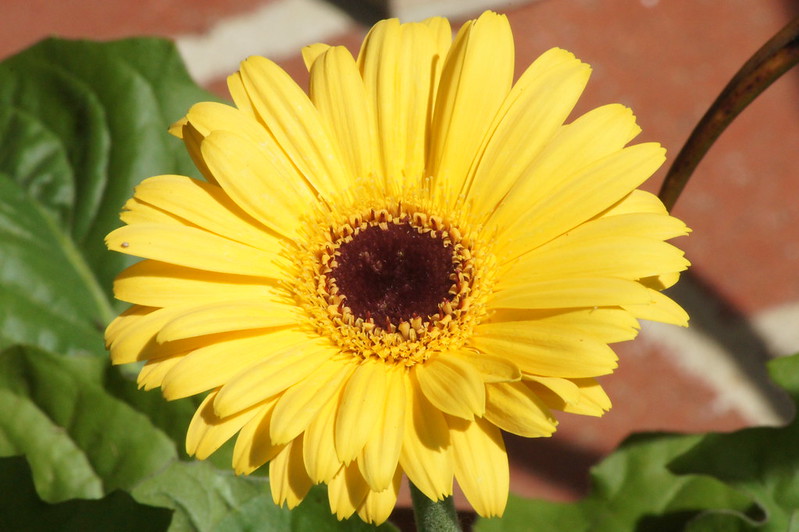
176 129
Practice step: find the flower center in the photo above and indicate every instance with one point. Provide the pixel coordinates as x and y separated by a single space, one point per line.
393 281
393 274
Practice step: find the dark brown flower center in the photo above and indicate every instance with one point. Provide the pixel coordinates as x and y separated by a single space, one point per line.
393 273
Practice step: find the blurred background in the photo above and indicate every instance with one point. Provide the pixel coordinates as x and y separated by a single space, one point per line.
667 60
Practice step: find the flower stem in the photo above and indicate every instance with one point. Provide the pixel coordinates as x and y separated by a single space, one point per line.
434 515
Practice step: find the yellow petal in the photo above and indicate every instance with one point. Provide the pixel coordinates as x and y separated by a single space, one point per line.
637 201
592 398
514 408
378 461
620 257
287 477
195 248
337 90
441 31
540 351
274 375
158 284
639 224
532 113
346 491
660 308
207 431
607 324
281 176
591 401
360 409
132 335
217 361
476 77
207 117
204 205
481 464
293 120
152 373
253 446
579 197
319 446
661 282
378 505
193 140
591 137
491 368
426 456
176 128
397 62
225 316
312 52
259 179
302 402
566 389
235 86
570 293
138 212
452 385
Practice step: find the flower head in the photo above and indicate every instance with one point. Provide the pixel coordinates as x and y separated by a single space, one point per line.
382 275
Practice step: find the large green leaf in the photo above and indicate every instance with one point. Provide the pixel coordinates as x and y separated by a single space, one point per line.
631 490
761 462
203 497
81 123
206 499
21 509
80 441
48 295
171 417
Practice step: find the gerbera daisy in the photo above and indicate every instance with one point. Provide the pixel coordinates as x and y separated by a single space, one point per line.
380 276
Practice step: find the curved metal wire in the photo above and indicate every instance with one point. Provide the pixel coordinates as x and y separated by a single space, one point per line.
775 58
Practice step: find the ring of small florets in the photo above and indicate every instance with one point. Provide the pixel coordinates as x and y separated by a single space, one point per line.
405 340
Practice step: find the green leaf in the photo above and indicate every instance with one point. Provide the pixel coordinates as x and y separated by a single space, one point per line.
631 490
171 417
21 509
761 462
81 123
48 293
206 499
80 441
203 496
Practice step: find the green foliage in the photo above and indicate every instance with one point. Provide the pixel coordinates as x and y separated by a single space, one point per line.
78 439
21 508
81 124
207 499
49 296
204 497
761 462
746 480
631 490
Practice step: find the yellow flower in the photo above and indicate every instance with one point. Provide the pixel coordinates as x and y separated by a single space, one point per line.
380 276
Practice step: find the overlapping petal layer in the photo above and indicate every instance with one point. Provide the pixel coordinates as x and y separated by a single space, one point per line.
551 252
